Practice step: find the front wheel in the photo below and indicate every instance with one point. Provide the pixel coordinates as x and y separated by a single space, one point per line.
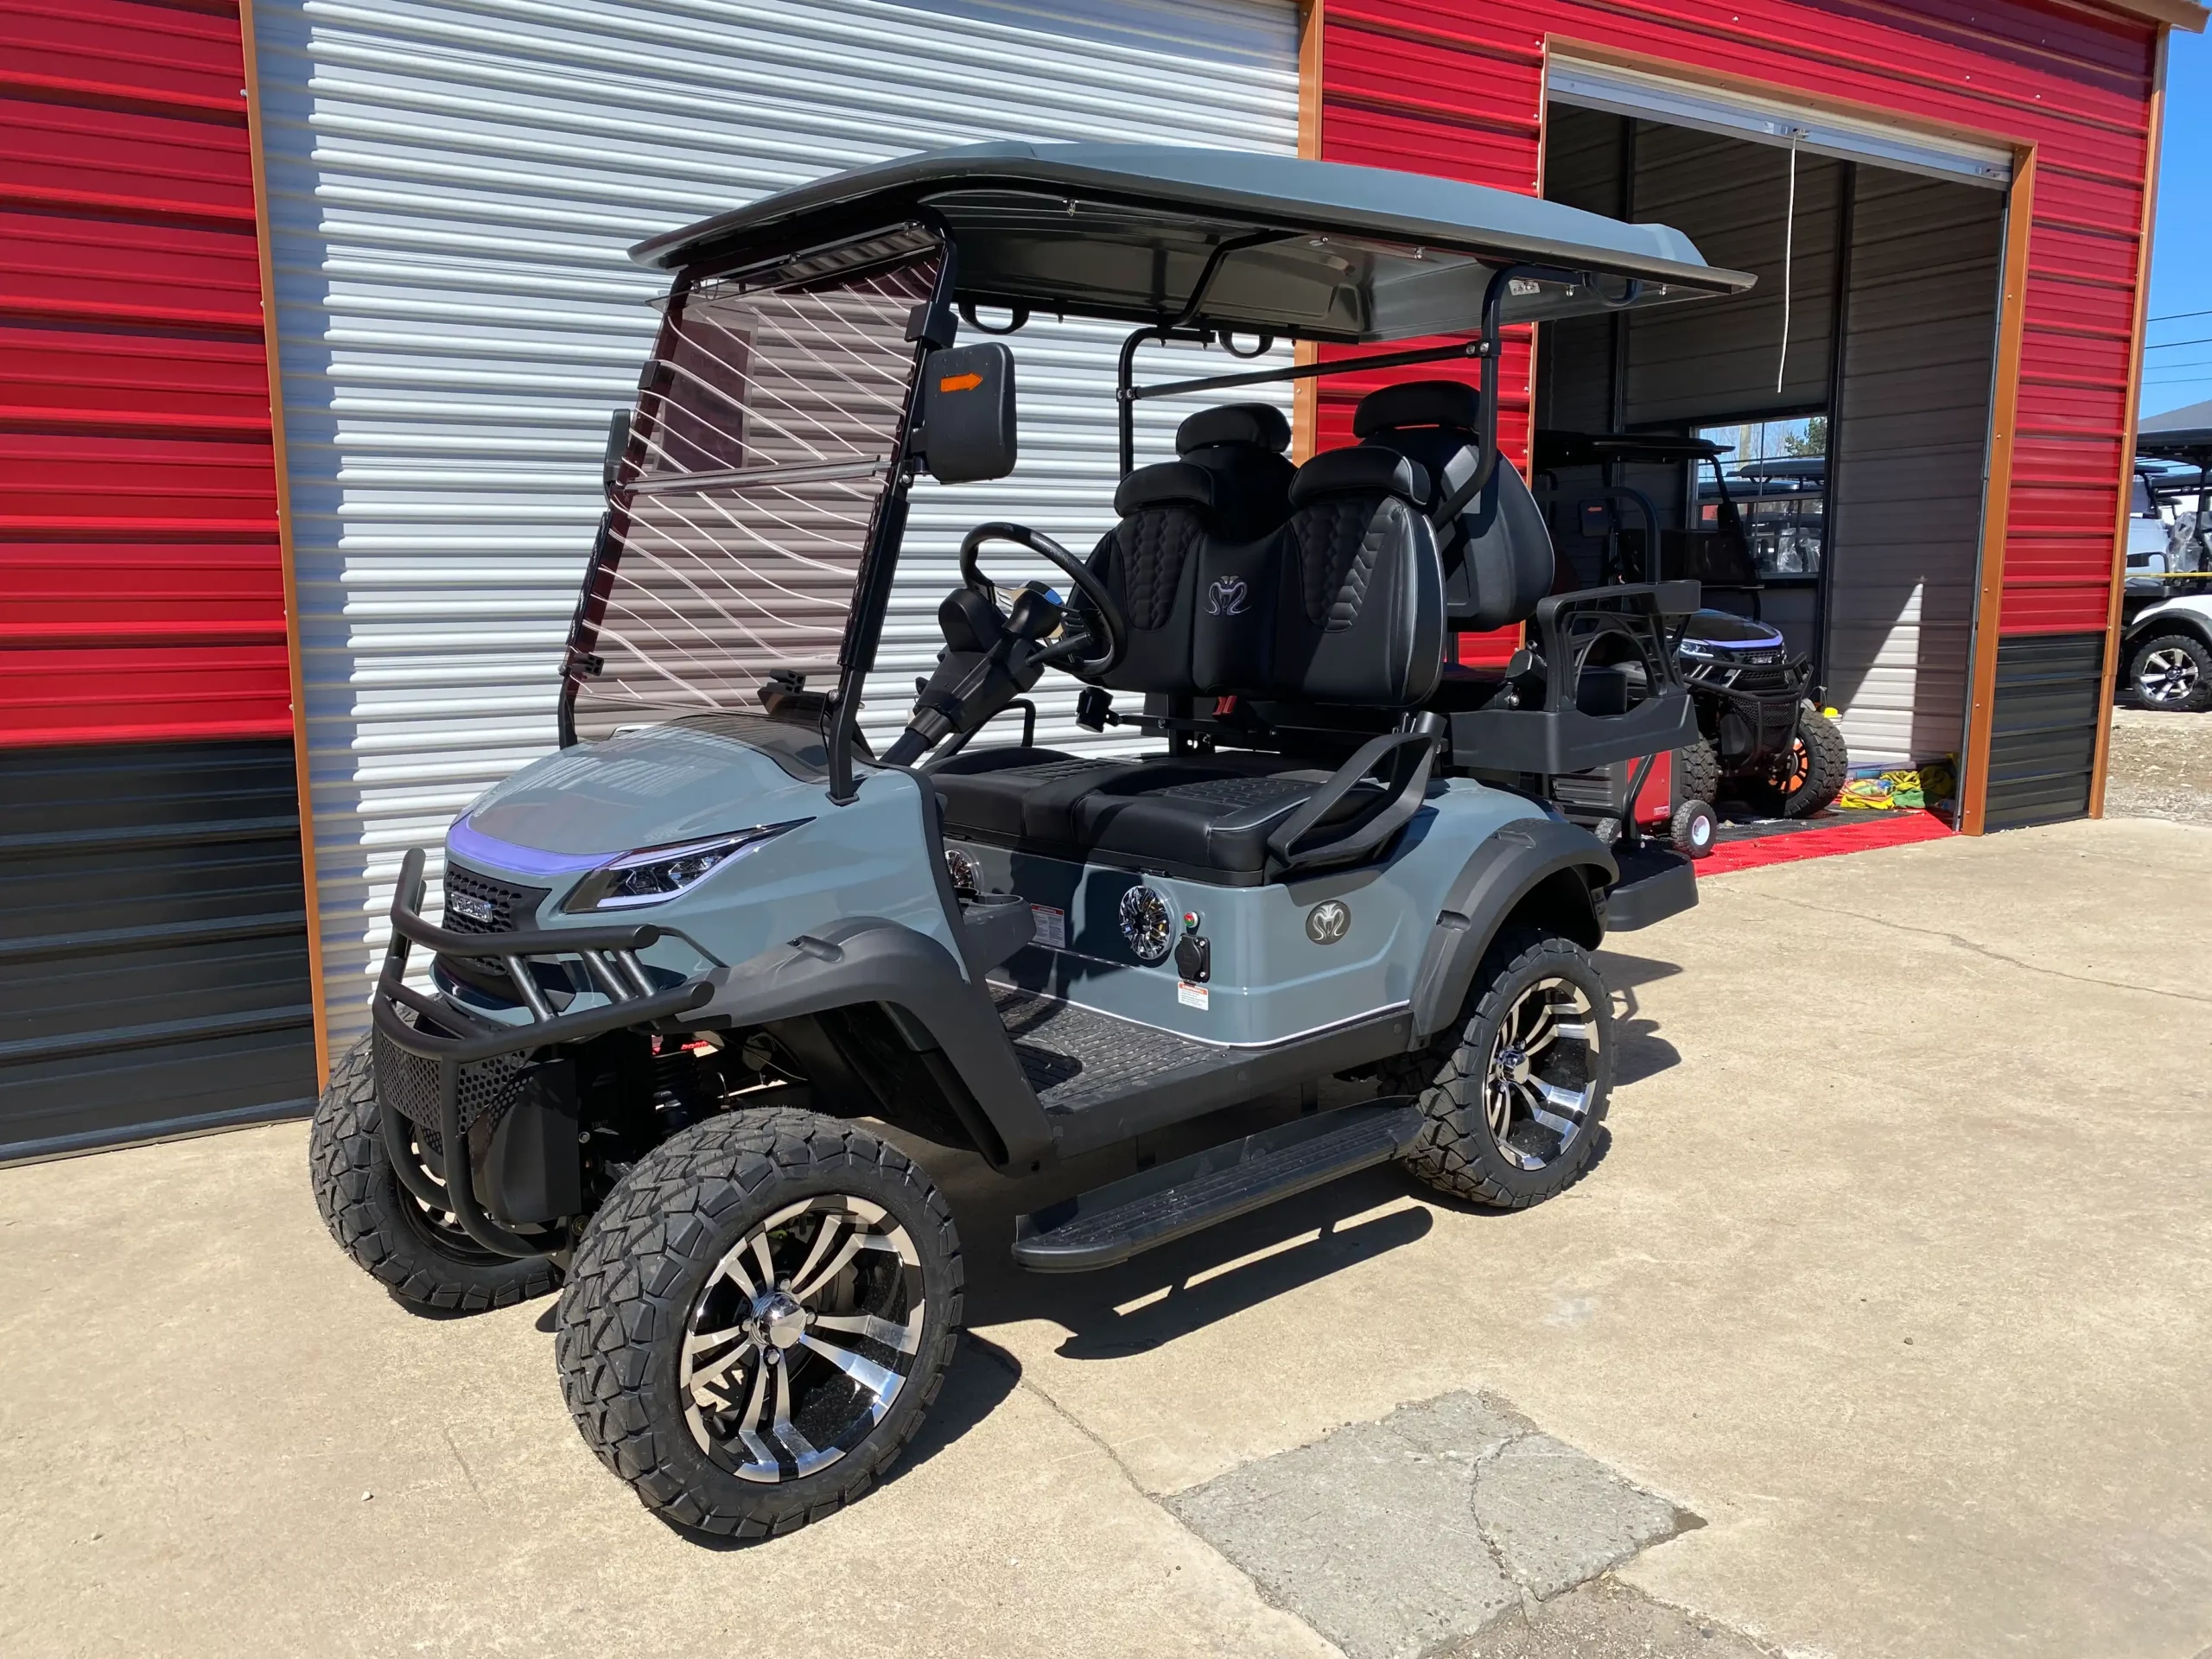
1514 1104
1812 772
757 1317
422 1255
2172 671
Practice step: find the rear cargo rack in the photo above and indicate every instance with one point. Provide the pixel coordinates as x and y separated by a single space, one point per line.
1628 624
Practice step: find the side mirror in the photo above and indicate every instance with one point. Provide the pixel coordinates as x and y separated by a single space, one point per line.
967 425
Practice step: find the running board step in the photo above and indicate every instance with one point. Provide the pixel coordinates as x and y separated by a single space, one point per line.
1106 1227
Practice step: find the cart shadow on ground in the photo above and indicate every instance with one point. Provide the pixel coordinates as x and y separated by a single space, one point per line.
1638 1050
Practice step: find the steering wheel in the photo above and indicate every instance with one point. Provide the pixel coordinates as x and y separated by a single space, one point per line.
1080 650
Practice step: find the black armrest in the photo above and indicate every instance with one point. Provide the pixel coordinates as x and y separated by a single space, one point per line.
1413 753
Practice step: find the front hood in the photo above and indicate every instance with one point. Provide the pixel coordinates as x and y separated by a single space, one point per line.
572 810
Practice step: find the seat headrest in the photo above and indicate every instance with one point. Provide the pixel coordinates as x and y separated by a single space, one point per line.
1260 424
1418 403
1171 482
1360 470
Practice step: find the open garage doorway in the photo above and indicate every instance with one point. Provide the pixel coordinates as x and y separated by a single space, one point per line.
1837 417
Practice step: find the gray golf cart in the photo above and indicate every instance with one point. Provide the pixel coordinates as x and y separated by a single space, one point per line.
686 960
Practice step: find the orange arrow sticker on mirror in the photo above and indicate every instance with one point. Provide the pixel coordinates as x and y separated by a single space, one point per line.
960 382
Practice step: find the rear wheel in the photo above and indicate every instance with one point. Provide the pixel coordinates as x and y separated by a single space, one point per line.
422 1255
1697 771
1515 1103
757 1317
2172 671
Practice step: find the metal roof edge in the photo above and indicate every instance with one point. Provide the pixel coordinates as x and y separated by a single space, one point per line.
908 183
2175 13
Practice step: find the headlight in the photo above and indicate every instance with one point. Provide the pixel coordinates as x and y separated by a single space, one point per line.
654 875
1693 648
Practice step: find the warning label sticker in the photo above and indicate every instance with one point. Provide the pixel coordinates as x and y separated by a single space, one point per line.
1190 995
1052 926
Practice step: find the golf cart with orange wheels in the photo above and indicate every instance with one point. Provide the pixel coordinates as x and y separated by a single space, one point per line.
691 965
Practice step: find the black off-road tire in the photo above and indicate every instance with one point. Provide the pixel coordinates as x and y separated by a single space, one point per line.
425 1263
1697 772
1457 1154
1820 768
644 1264
2184 693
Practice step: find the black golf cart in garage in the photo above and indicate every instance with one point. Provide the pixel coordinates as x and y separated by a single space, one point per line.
692 963
1761 738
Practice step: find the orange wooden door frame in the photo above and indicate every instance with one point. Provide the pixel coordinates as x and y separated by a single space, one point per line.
301 764
1997 498
1306 395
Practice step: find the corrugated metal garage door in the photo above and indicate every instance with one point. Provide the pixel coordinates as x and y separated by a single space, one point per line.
453 187
138 551
153 943
1912 441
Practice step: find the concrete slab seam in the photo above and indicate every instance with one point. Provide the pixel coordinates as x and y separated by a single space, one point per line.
1984 950
1400 1536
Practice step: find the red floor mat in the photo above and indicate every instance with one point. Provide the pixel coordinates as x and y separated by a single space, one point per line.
1895 829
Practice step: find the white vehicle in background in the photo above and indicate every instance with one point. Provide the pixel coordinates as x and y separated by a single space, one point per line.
2165 650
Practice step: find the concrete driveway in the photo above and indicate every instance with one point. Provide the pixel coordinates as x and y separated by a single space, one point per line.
1894 1276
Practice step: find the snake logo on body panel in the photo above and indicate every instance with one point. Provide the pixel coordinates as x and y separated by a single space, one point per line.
1328 921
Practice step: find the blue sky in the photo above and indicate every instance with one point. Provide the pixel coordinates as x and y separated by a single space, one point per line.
2178 365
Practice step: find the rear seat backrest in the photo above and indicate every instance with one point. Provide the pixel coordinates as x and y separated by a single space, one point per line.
1499 562
1342 603
1241 446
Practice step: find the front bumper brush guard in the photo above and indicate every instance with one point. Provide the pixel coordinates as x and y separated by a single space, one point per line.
609 956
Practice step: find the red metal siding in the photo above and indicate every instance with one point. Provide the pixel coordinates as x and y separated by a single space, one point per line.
1451 87
141 590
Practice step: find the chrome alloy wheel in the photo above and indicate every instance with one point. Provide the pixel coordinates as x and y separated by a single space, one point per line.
2167 676
801 1338
1542 1075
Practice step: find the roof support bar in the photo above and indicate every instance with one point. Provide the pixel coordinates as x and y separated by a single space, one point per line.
1487 349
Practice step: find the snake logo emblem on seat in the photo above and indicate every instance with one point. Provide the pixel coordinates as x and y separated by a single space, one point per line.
1328 922
1229 596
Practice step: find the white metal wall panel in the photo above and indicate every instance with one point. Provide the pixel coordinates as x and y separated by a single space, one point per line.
452 188
1910 447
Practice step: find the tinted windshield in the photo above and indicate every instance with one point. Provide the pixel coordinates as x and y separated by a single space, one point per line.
768 427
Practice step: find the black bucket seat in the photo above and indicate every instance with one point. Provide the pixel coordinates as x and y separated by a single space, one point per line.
1497 550
1341 605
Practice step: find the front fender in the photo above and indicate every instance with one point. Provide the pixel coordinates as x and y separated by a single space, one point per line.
1509 866
865 959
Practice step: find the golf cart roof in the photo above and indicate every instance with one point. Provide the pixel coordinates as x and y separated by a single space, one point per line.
1785 466
1308 250
1556 448
2178 435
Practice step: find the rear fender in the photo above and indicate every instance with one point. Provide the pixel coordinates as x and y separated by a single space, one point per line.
1542 868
